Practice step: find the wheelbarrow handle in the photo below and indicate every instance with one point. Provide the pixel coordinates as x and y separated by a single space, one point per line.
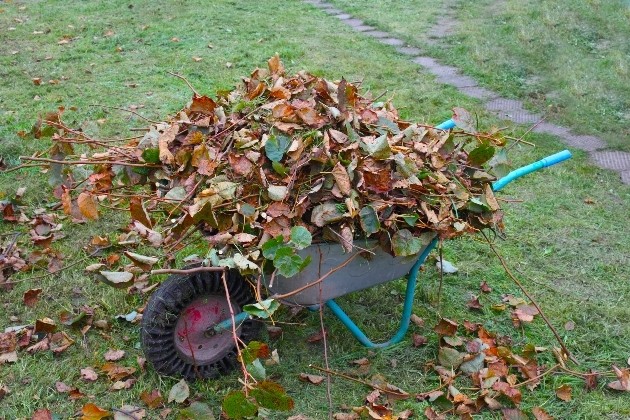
524 170
517 173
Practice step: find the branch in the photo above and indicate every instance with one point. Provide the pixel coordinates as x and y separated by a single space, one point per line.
128 110
88 162
321 279
186 81
520 286
350 378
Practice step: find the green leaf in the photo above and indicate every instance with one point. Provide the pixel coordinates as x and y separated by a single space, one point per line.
287 262
276 146
272 246
450 358
237 406
179 392
263 309
410 219
378 148
151 155
254 350
257 370
404 243
480 155
300 237
369 220
280 168
196 410
271 395
499 164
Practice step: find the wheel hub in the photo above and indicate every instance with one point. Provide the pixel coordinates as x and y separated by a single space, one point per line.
192 340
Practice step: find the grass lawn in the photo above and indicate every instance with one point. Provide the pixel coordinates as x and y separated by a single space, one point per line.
567 240
568 59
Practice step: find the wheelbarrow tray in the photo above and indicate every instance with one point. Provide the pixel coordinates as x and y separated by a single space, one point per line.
365 270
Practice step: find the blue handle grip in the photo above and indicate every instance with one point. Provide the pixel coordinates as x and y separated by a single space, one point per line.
543 163
446 125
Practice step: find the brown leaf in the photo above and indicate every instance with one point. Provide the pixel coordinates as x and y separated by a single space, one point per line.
512 393
564 392
417 320
62 387
88 374
42 414
87 206
44 344
569 326
313 379
59 342
342 179
46 325
202 105
139 213
315 337
118 385
8 341
484 287
93 412
474 304
623 382
419 340
513 414
590 380
152 399
541 414
114 355
31 297
116 372
446 327
275 65
164 141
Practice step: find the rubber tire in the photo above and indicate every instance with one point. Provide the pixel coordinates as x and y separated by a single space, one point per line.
163 310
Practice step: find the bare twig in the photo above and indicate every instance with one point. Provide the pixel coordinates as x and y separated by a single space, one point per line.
186 271
520 286
127 110
360 381
234 336
321 279
520 139
88 162
536 378
179 76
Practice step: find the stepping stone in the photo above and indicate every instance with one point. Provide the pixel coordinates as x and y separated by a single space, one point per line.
612 159
512 110
409 50
363 28
392 41
377 34
331 10
343 16
478 92
625 177
353 23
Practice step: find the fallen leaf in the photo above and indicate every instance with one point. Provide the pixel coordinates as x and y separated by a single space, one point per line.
313 379
93 412
484 287
31 297
474 304
130 412
113 355
623 382
126 384
446 267
569 326
540 414
87 205
88 374
42 414
152 399
419 340
564 392
179 392
446 327
197 59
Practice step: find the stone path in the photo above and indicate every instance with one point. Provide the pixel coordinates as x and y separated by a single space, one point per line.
504 108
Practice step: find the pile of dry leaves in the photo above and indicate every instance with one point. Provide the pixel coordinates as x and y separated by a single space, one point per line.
294 158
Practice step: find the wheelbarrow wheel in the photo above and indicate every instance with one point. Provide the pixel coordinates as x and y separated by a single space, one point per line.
177 336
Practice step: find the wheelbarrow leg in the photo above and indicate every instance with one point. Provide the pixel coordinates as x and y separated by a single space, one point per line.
407 307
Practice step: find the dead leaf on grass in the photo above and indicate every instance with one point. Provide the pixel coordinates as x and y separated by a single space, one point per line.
564 392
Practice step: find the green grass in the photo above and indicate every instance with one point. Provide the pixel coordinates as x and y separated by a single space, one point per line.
571 255
567 59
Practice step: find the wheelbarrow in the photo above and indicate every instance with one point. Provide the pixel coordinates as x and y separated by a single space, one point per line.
187 323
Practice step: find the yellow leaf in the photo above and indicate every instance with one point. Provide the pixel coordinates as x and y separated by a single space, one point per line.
93 412
87 205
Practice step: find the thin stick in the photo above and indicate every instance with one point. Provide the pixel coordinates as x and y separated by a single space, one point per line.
187 271
325 342
545 373
179 76
234 336
520 286
127 110
22 166
520 139
350 378
88 162
321 279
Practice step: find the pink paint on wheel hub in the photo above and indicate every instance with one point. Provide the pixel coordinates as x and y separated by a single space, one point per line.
192 339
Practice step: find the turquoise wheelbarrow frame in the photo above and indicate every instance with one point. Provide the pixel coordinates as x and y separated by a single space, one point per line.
412 274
